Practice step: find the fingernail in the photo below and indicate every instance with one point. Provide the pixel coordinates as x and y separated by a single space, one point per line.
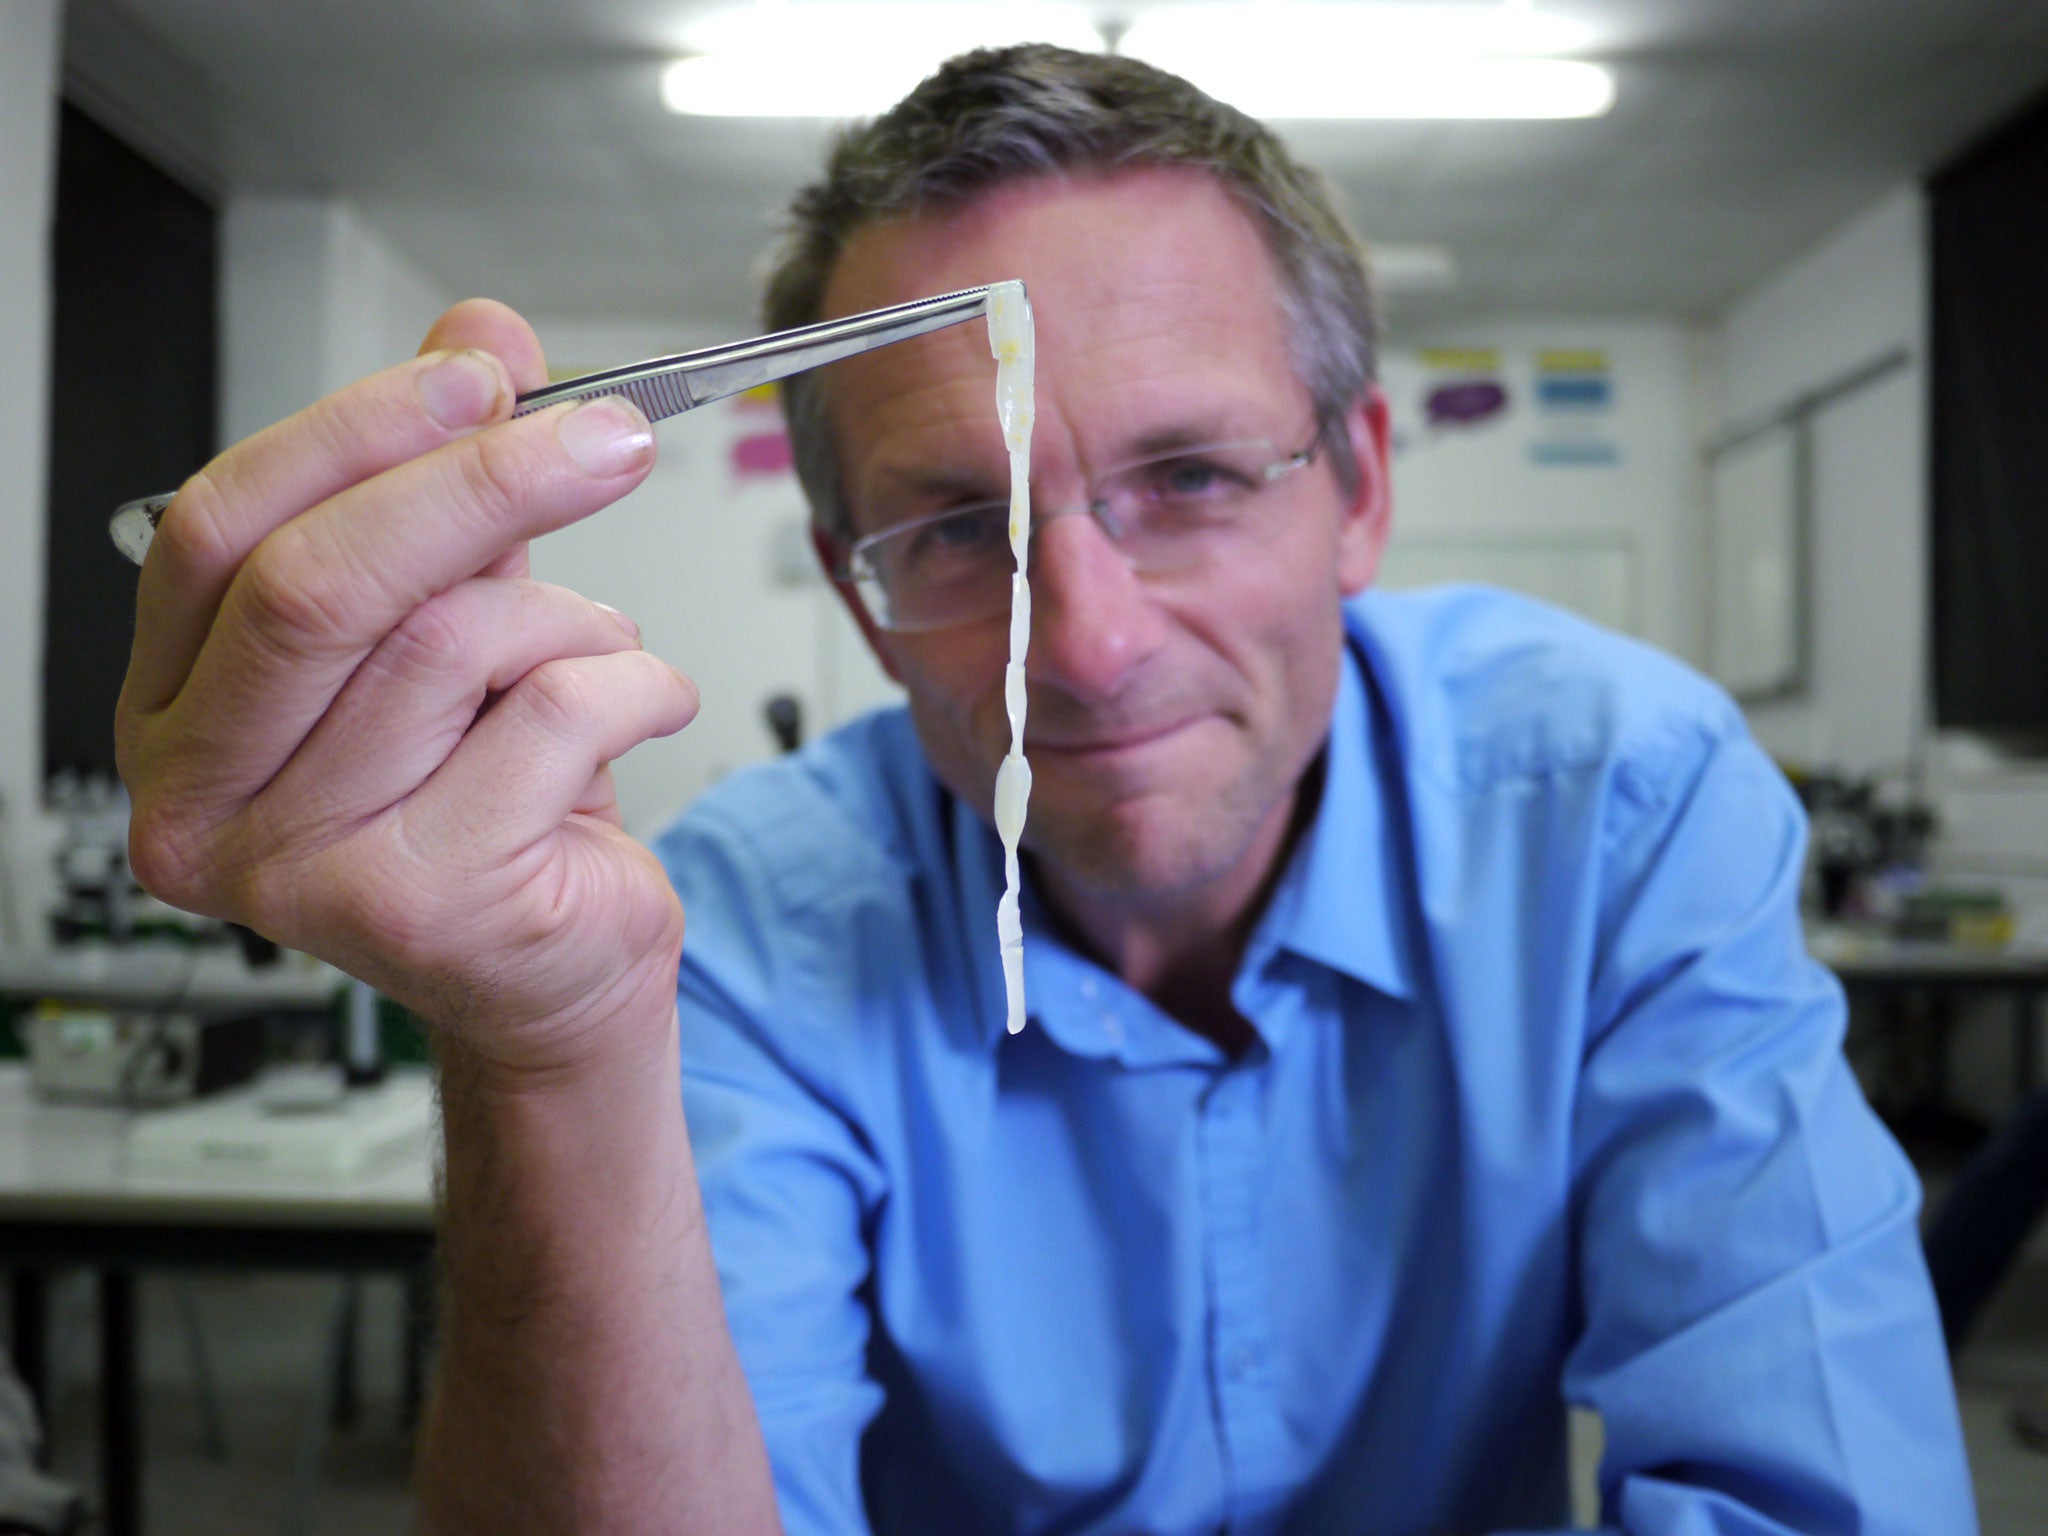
624 623
606 436
463 389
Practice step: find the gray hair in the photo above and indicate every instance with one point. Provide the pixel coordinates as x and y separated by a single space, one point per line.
1000 115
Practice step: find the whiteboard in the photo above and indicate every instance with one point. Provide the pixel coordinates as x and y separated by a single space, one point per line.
1595 575
1755 558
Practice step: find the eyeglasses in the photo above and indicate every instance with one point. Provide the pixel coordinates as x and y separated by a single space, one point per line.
1168 514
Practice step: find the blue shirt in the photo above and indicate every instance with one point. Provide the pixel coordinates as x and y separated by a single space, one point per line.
1546 1105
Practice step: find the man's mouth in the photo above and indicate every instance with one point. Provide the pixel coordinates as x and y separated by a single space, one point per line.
1104 741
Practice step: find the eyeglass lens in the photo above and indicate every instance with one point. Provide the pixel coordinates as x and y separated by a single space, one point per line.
1167 513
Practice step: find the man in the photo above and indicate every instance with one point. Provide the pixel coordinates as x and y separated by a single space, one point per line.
1420 1037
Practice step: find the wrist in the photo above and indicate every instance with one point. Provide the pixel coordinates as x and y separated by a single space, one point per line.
609 1035
575 1182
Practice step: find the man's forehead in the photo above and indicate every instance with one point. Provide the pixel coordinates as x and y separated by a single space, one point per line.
1019 219
1134 274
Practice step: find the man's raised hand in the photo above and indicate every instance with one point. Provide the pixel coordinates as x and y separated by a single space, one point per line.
353 722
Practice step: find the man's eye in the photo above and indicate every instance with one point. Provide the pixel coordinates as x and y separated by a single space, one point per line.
965 530
957 535
1193 479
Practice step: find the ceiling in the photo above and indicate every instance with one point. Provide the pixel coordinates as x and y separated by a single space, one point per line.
519 148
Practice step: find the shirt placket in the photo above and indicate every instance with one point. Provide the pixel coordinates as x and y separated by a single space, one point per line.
1231 1140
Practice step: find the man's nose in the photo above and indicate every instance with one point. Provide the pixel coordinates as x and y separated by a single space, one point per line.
1093 622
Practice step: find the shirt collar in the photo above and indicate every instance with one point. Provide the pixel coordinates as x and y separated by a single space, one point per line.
1340 904
1082 1008
1344 899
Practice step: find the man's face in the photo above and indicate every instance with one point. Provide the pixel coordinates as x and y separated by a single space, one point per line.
1170 717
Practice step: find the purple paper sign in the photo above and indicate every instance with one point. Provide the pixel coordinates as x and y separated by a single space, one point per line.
1465 403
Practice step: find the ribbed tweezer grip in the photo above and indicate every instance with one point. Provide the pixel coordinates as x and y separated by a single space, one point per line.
659 396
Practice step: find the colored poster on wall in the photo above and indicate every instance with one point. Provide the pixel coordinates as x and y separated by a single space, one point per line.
758 447
1463 389
1574 399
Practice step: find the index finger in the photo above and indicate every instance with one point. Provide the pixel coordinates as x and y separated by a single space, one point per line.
499 330
232 505
320 593
477 357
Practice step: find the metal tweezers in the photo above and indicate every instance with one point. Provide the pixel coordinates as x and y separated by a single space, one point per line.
667 386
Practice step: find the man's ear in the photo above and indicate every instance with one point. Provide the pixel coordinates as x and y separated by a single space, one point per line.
1368 509
832 556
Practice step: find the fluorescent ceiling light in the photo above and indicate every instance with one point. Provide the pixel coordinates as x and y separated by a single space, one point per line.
1411 268
847 58
1272 58
1355 31
1319 59
1415 88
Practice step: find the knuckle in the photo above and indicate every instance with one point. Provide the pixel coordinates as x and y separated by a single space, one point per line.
494 477
435 640
544 918
557 697
196 528
666 911
167 857
367 412
295 599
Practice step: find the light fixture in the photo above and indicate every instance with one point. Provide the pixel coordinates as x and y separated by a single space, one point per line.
1326 59
1272 58
847 58
1361 29
1411 268
1418 88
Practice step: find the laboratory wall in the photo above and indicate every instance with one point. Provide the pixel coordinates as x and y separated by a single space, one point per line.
1856 296
1563 455
312 298
710 556
28 121
1554 456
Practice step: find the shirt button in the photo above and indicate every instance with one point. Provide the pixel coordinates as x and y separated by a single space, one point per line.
1088 988
1238 1363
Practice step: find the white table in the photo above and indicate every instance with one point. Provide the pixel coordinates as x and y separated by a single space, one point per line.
144 976
71 1195
1879 966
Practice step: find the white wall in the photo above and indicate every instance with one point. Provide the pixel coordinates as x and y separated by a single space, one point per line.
28 121
711 560
311 299
1609 528
1855 297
